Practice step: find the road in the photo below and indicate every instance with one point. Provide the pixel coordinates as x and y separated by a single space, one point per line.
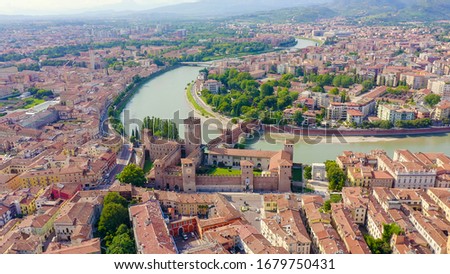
123 159
202 104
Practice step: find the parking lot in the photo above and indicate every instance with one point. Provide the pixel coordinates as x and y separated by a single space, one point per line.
250 201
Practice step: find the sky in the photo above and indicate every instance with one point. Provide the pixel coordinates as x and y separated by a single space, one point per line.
44 7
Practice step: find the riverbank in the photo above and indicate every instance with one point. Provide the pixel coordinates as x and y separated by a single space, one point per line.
119 107
395 132
320 42
120 102
200 110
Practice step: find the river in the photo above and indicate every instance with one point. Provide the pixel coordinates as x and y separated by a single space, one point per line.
164 96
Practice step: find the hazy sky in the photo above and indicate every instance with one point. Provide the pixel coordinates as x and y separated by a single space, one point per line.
40 7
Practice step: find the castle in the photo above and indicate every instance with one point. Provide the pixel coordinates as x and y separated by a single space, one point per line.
175 163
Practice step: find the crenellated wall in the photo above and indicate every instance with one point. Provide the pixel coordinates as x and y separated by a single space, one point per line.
265 183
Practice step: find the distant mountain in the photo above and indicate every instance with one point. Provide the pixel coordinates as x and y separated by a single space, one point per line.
393 10
223 8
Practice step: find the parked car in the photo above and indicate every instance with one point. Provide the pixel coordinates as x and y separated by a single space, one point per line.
185 237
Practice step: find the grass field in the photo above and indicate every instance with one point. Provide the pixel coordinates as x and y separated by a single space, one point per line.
219 171
31 102
195 105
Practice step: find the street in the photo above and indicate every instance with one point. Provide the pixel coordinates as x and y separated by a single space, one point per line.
253 201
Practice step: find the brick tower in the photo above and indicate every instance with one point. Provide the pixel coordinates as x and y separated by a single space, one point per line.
192 134
188 173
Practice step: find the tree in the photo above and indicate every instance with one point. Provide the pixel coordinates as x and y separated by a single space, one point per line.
298 118
266 90
334 91
307 172
326 207
113 215
121 244
432 99
389 230
367 85
335 175
382 246
132 174
318 88
114 197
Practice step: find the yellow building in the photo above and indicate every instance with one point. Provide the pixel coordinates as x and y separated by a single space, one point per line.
28 203
360 177
270 206
9 182
41 178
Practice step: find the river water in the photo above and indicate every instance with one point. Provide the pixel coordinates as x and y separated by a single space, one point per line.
164 97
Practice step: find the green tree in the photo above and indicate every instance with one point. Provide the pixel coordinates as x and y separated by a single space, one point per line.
334 91
367 85
266 90
432 99
382 246
326 207
132 174
318 88
335 175
114 197
307 172
113 215
298 118
121 244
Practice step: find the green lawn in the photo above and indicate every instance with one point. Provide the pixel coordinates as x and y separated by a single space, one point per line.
148 166
219 171
297 174
31 102
194 103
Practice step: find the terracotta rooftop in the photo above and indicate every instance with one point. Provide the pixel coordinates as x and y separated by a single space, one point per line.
152 235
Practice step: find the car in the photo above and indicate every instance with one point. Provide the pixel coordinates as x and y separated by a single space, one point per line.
185 237
257 219
192 234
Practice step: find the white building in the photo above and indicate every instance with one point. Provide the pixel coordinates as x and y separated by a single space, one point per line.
318 172
394 113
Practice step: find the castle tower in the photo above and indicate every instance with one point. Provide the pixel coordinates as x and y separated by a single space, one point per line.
192 134
188 173
289 148
228 137
247 175
284 176
159 179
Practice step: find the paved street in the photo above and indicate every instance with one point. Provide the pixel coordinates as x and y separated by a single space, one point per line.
254 203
